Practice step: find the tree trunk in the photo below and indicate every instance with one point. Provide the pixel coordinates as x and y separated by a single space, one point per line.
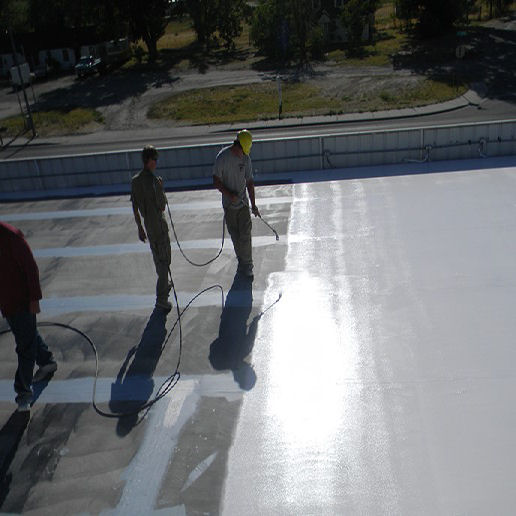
152 48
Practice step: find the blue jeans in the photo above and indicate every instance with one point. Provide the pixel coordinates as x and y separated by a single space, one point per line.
31 349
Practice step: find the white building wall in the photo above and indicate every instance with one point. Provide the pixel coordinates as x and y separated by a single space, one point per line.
7 61
64 56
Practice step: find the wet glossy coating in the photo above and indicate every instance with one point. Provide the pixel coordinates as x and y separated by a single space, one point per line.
368 369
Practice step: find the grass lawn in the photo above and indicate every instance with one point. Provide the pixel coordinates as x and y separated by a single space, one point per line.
227 104
56 122
178 34
389 42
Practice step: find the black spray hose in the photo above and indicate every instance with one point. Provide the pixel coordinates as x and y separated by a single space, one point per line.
172 380
181 250
191 262
165 387
169 382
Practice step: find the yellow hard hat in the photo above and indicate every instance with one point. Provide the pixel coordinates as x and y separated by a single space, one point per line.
245 139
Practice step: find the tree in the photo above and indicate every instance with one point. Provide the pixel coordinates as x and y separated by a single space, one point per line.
105 19
301 26
147 20
355 16
14 15
269 29
109 19
285 29
433 17
204 18
229 20
212 16
406 11
438 16
497 7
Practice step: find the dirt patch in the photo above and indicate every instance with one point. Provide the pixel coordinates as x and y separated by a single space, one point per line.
346 88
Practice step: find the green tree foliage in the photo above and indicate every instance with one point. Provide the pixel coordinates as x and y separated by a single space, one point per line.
433 17
204 18
497 7
105 18
355 16
50 15
406 11
146 20
301 26
438 16
317 43
14 14
110 19
212 16
285 30
118 18
229 20
269 29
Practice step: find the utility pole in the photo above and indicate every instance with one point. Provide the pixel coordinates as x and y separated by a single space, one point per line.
280 100
29 121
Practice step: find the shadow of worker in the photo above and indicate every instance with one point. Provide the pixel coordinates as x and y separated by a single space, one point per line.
10 437
134 383
236 340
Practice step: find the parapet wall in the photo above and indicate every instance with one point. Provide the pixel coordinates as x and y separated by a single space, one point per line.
185 165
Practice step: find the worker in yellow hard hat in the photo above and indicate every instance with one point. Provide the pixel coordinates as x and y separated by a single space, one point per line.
233 177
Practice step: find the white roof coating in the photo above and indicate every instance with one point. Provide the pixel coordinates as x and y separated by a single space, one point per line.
376 341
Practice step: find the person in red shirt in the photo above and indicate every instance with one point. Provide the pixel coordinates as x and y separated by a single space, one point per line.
20 292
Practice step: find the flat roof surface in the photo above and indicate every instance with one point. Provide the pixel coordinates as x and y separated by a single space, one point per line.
369 368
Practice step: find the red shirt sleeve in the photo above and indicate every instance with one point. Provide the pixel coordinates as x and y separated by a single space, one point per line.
29 267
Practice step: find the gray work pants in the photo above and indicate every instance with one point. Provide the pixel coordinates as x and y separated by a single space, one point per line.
239 227
162 258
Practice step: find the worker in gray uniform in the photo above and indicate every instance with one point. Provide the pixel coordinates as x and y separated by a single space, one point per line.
233 177
149 200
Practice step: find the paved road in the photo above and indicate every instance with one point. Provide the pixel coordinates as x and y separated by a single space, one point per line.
469 109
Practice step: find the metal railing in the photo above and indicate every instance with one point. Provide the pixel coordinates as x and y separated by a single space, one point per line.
325 151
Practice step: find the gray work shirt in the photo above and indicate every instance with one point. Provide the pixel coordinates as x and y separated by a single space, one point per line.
148 196
234 172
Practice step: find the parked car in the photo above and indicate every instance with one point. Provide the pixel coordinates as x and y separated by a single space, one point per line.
88 65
